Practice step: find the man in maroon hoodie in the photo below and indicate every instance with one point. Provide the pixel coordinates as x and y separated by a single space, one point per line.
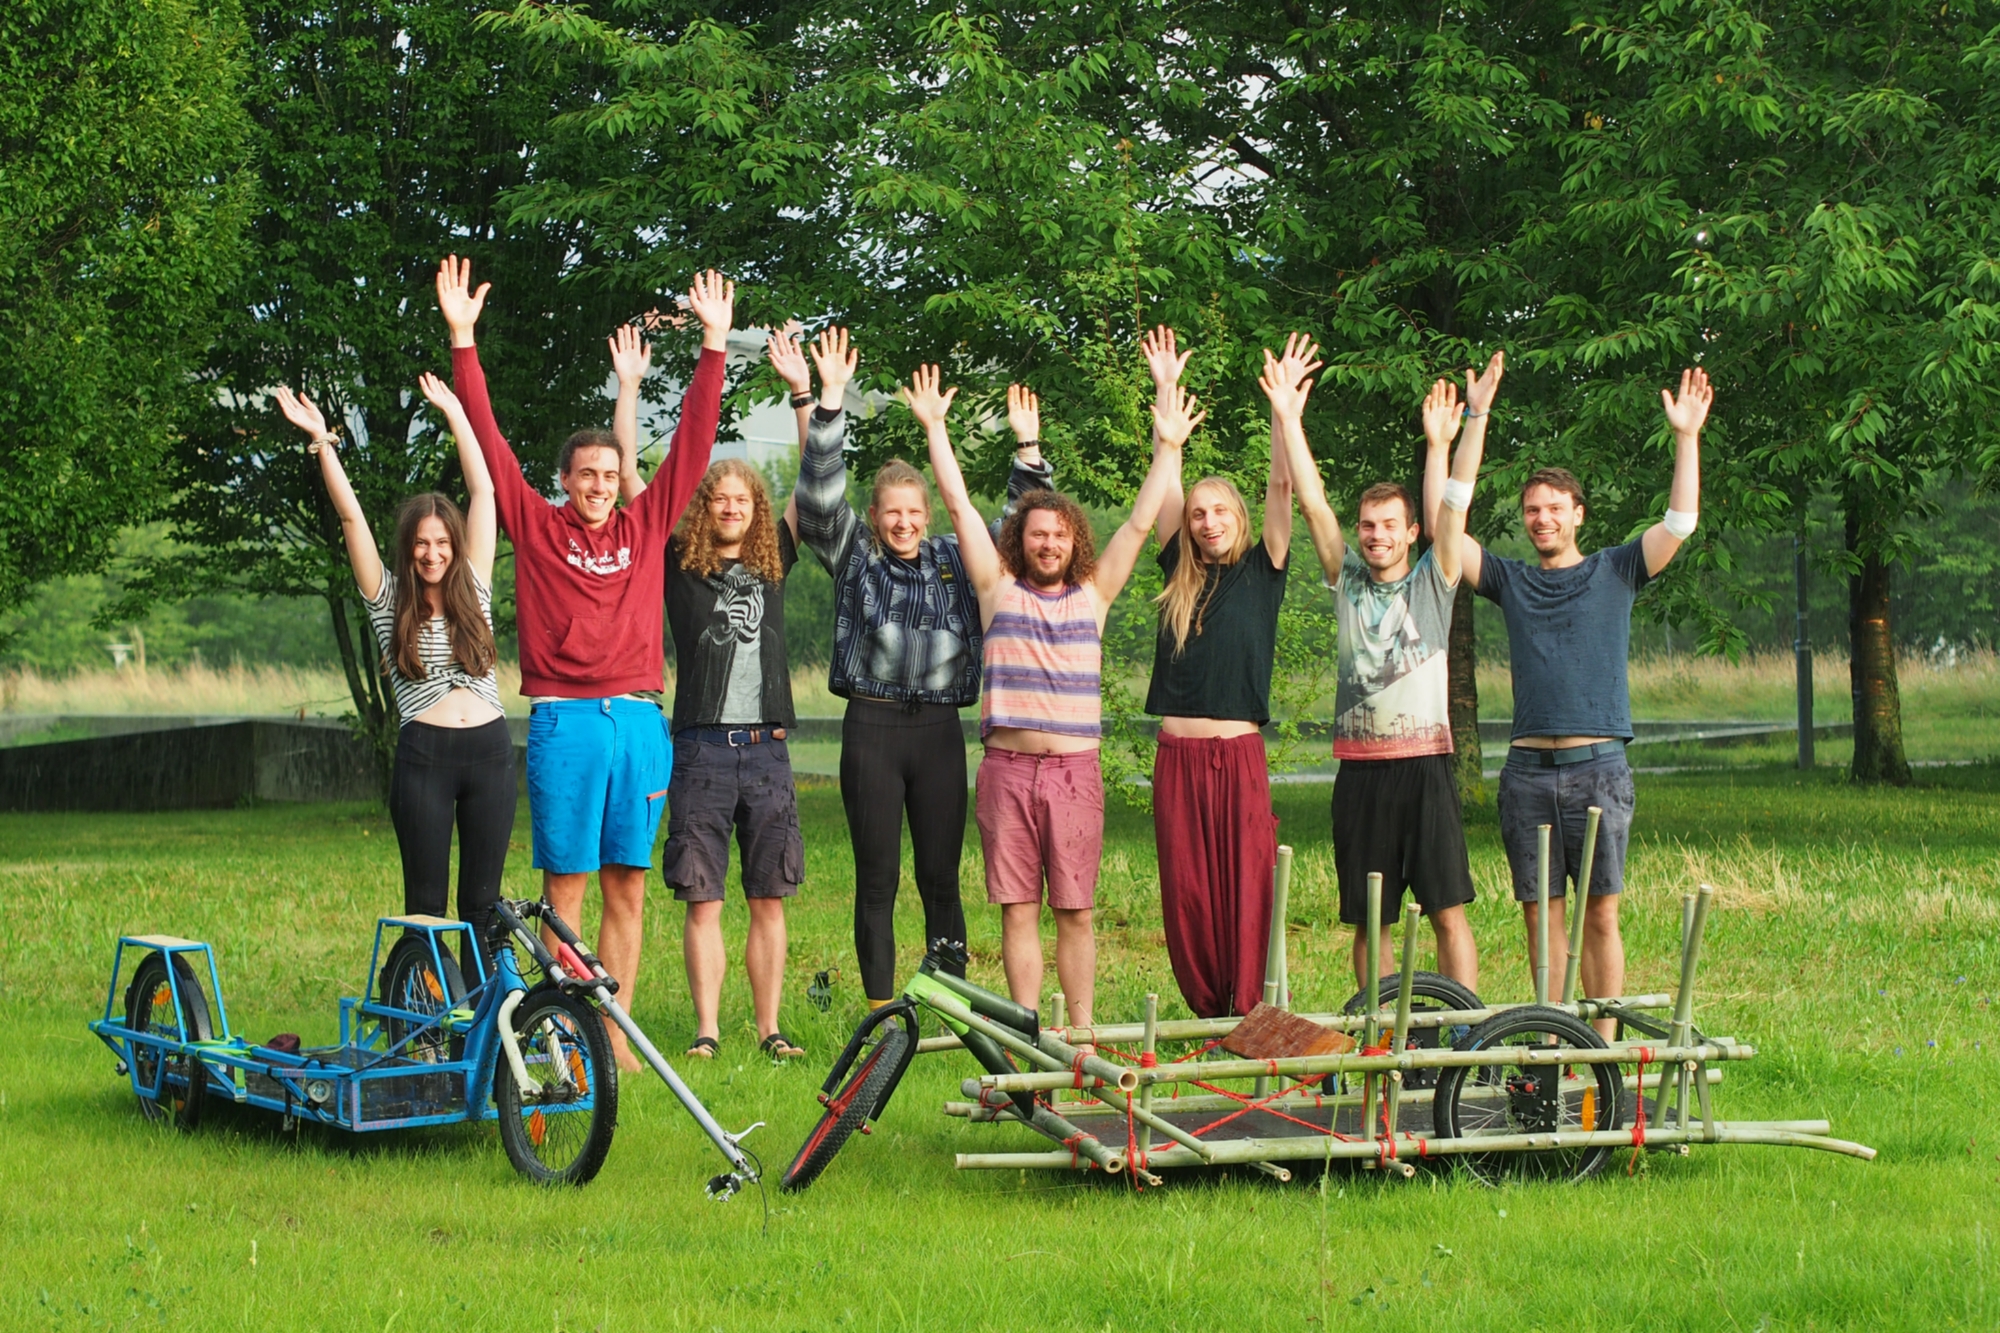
589 583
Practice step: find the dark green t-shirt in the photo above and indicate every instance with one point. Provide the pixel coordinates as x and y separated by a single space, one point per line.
1224 670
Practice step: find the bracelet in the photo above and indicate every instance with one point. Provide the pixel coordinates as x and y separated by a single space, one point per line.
803 398
330 440
1027 444
1470 413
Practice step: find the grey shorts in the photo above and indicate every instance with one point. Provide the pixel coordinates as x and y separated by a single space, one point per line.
724 792
1561 796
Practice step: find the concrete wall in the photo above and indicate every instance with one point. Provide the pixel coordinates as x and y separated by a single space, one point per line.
187 767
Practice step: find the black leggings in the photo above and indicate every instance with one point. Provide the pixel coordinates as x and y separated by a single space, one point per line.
892 761
446 775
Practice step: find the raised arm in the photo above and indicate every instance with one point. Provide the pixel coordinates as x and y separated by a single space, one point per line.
827 523
1173 422
1031 471
481 529
361 552
1165 362
712 299
631 358
1685 414
460 306
782 350
1287 381
1278 495
929 403
1457 554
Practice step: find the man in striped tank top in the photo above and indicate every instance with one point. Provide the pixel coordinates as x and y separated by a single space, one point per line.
1043 595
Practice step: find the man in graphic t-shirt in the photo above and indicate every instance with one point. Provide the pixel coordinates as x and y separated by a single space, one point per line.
1395 800
1569 620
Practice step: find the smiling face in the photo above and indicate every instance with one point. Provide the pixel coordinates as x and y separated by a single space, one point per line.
731 508
901 517
1048 548
1212 521
1551 518
591 482
1384 534
430 552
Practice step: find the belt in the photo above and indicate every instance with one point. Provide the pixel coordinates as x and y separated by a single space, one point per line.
1575 754
732 735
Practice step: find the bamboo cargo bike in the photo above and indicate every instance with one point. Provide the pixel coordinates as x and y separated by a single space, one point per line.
1415 1068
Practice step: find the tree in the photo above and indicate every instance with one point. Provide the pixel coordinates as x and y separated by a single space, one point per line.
122 199
385 137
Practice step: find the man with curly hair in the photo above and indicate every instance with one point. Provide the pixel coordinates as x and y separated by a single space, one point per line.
732 779
1043 596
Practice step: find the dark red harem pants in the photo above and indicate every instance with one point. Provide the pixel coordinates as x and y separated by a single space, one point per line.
1218 843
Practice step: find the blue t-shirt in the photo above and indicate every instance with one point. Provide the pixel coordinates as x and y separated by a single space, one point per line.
1568 633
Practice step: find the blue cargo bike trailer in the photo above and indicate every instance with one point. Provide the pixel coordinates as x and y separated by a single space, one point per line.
419 1046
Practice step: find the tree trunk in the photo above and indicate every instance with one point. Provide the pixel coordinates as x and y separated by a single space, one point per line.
375 719
1878 708
1462 663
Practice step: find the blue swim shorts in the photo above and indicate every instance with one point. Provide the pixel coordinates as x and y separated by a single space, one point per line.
598 771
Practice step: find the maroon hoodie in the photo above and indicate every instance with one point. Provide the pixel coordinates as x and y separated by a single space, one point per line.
588 603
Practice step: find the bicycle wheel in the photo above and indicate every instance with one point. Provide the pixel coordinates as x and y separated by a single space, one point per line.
1430 992
411 981
149 1007
859 1100
1505 1098
559 1133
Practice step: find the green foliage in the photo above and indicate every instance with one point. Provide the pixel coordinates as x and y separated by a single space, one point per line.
122 198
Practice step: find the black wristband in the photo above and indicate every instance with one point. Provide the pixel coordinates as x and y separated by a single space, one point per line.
1027 444
802 399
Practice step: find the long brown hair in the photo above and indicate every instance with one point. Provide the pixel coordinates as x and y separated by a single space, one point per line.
760 540
1083 552
1181 602
464 623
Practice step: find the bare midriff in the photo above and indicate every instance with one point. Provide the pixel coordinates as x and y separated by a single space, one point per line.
460 708
1206 728
1557 742
1024 740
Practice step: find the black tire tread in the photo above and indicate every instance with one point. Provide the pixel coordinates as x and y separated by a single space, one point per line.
194 1001
854 1104
1497 1031
604 1079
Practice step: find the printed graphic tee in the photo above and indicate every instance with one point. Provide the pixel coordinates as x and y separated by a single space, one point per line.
729 643
1392 700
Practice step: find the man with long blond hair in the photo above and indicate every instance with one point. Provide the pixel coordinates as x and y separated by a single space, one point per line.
732 780
1211 690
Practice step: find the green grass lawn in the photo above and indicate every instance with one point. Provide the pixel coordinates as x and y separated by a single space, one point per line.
1853 944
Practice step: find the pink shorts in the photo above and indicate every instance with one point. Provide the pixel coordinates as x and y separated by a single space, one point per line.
1041 818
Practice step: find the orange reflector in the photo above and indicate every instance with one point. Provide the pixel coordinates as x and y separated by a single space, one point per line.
538 1128
431 985
576 1071
1589 1115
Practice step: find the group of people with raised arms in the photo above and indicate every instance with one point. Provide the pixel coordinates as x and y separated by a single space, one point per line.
1009 615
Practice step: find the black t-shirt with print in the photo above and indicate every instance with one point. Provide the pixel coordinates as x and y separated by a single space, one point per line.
729 643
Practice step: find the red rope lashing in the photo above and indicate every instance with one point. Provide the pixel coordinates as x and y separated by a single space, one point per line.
1639 1121
1149 1060
1070 1143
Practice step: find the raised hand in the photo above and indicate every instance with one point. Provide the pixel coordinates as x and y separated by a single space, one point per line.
1176 415
1163 359
631 355
439 393
782 350
835 361
712 298
1288 379
928 403
301 412
1024 413
1441 412
1687 412
1480 390
459 304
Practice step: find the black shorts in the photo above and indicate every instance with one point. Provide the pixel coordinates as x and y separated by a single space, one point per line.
721 793
1399 818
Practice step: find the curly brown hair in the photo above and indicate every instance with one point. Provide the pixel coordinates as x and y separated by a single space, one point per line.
760 541
1083 554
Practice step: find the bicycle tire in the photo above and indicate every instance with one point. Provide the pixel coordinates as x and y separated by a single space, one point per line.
563 1134
185 1085
410 982
858 1101
1429 992
1516 1099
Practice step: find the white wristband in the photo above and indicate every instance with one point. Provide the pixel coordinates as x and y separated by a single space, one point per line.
1681 522
1457 495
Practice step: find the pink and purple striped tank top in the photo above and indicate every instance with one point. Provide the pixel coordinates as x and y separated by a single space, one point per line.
1044 656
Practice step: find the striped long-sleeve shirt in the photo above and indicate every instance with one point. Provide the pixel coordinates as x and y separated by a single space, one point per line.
906 631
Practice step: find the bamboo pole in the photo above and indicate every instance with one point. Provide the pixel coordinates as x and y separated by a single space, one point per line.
1411 913
1542 914
1148 1047
1277 966
1372 1034
1579 904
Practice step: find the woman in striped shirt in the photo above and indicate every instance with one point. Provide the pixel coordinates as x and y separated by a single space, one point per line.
1043 596
433 617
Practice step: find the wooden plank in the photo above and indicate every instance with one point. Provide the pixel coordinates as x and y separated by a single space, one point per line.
1270 1033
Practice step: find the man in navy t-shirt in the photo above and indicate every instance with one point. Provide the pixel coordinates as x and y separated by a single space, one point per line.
1569 622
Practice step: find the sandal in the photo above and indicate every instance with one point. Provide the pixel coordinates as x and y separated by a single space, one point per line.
704 1048
780 1047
